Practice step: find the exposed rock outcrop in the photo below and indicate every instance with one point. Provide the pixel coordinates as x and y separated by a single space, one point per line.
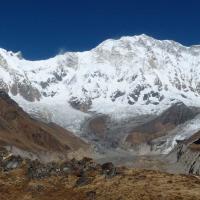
87 180
187 155
160 126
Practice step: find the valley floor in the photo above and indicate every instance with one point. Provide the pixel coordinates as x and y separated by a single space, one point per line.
128 159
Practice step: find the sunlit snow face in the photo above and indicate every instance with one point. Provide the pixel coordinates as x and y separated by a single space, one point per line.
131 75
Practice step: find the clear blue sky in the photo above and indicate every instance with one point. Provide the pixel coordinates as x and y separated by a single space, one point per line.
41 28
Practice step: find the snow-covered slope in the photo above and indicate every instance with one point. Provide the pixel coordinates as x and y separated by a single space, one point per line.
131 75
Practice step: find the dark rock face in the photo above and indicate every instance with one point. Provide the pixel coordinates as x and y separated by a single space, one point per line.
178 114
188 154
188 159
57 77
44 85
5 96
180 151
26 90
156 95
175 115
82 105
197 141
134 95
116 95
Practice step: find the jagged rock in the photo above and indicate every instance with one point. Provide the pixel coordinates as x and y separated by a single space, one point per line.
38 170
187 154
90 168
82 105
11 162
108 170
66 167
116 95
83 168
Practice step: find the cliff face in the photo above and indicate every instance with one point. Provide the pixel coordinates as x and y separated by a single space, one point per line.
23 135
187 155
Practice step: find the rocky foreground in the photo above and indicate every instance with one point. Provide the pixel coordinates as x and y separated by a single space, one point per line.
23 179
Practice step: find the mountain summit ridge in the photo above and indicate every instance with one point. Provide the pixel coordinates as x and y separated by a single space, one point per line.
127 37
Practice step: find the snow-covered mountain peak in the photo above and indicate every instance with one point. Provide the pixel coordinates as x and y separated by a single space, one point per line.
132 42
132 74
125 42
